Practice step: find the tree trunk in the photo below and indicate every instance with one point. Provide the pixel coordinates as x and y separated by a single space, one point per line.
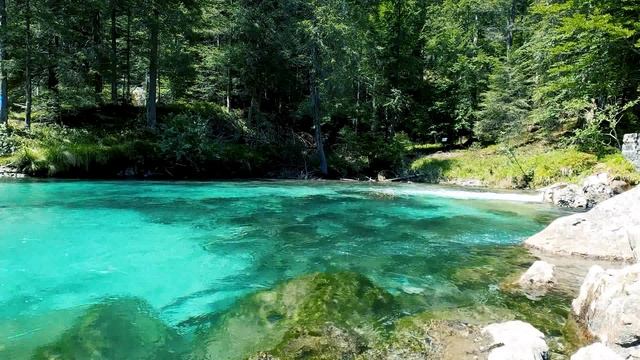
315 107
27 69
229 84
511 20
97 43
52 75
4 97
153 68
114 55
127 97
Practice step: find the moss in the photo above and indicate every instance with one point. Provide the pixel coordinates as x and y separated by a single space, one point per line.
301 317
495 168
117 329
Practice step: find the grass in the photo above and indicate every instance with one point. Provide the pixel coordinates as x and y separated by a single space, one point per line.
495 167
49 150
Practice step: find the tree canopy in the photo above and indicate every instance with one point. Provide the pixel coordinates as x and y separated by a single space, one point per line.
344 75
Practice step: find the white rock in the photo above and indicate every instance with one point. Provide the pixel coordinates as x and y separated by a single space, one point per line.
619 186
520 341
570 196
631 149
597 351
602 233
609 306
536 281
596 189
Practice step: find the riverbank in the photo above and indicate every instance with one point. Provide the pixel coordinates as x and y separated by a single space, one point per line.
131 152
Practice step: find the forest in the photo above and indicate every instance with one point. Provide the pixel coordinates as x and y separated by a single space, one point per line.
315 88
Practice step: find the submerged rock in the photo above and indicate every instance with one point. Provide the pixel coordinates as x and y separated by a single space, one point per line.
602 233
324 315
115 330
538 280
597 351
421 338
608 305
516 340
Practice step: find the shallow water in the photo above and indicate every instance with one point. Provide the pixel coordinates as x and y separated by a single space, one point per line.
192 249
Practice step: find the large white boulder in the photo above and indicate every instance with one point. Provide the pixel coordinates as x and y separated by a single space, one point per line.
609 307
516 340
597 351
538 279
605 232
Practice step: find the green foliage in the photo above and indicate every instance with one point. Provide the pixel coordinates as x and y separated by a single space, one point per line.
356 154
54 150
505 106
185 141
8 141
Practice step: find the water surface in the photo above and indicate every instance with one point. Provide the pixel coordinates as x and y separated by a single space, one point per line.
191 249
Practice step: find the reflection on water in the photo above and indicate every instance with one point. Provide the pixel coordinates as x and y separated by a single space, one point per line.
178 255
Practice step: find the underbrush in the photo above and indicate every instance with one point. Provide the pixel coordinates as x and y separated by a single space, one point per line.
532 166
195 140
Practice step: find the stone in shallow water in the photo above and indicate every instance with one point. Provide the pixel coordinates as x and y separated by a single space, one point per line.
114 330
538 280
516 340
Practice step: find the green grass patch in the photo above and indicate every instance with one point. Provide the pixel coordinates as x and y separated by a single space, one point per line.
496 167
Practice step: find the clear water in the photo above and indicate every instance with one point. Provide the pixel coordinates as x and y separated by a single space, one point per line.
192 249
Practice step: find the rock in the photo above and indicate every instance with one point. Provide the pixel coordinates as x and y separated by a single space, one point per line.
619 186
593 190
320 315
602 233
138 96
631 149
596 189
539 279
608 305
467 183
565 195
516 340
597 351
117 329
419 337
7 172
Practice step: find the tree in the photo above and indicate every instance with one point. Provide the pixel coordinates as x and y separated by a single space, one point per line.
4 95
152 85
27 71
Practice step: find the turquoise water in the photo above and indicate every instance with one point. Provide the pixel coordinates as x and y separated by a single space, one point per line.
192 249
